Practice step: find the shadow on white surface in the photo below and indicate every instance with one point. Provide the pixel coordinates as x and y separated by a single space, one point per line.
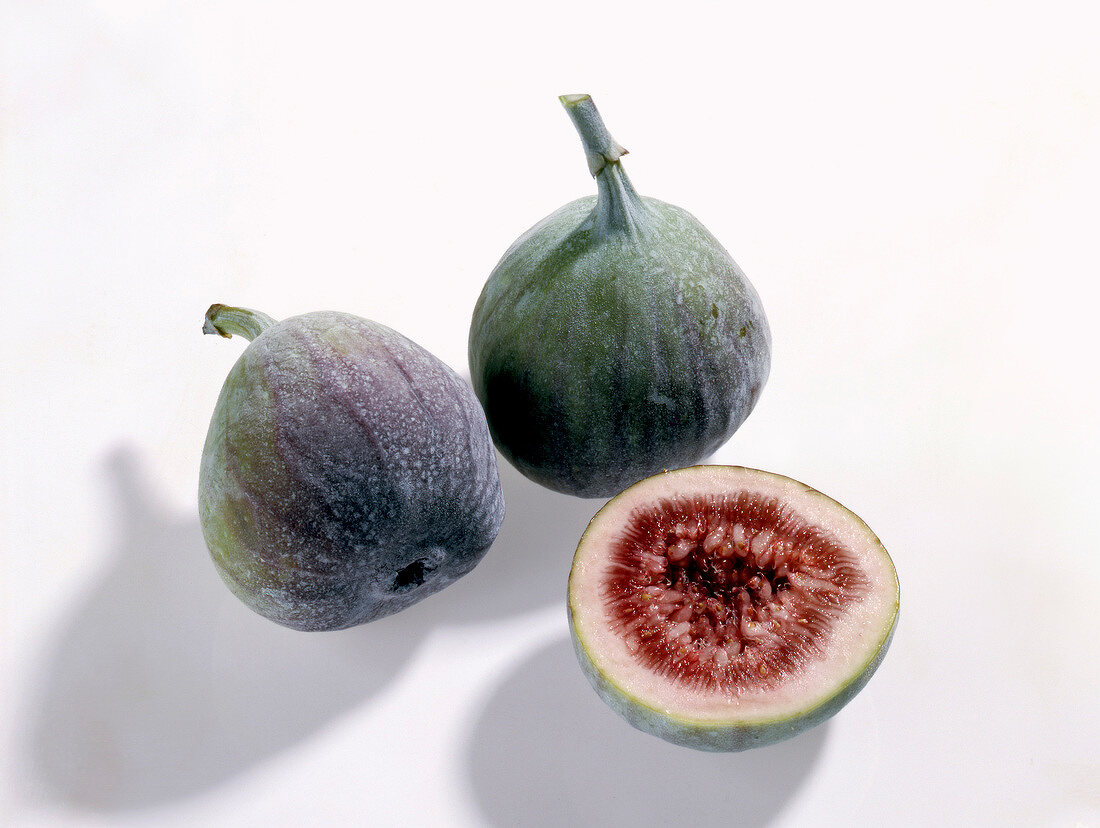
162 685
547 752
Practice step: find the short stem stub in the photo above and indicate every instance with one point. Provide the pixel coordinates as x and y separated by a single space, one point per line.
599 146
225 320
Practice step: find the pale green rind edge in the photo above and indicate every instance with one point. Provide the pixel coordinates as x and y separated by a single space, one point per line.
734 735
718 737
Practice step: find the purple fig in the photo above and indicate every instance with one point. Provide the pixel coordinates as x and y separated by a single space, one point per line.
347 473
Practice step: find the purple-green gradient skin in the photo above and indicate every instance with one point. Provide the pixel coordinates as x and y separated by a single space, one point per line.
347 474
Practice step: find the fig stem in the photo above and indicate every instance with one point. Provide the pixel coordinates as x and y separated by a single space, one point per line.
225 320
599 147
618 206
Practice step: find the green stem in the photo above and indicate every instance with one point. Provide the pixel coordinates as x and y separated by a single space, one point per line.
618 205
226 321
599 146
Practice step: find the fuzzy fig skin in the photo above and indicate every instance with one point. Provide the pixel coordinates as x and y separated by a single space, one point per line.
616 338
347 473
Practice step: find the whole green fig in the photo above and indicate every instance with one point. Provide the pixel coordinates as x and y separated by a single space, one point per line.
615 338
347 472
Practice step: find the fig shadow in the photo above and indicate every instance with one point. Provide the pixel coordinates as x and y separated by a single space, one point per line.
160 684
545 751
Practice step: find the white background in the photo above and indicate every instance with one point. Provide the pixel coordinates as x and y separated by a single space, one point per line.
912 188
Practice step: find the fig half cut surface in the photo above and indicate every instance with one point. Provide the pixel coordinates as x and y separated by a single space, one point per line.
724 608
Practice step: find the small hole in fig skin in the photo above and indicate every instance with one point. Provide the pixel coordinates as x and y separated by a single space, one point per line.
412 575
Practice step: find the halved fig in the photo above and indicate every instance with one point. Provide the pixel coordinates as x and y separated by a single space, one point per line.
724 608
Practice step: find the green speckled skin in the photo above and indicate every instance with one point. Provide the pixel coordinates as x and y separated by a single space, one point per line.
616 338
347 474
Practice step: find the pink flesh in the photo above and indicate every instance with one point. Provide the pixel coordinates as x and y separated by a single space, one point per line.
727 592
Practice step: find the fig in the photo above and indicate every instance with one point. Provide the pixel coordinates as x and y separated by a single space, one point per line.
615 338
723 608
347 472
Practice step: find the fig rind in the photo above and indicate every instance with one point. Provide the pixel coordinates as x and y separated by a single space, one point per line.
347 474
724 724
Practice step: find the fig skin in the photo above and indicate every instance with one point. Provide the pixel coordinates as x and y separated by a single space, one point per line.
347 472
615 338
731 729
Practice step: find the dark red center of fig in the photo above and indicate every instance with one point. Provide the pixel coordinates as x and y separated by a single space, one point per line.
727 592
